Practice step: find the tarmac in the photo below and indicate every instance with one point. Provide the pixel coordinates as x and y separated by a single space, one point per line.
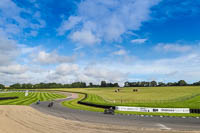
139 121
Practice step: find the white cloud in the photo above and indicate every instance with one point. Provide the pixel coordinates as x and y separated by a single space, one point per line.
139 41
45 58
14 24
172 47
26 50
108 20
68 73
99 73
65 69
120 52
13 69
68 24
84 37
169 69
8 50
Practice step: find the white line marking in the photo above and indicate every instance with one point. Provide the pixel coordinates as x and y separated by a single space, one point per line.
163 127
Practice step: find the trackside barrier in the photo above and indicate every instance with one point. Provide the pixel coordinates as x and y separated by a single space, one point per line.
7 98
197 111
96 105
159 110
92 104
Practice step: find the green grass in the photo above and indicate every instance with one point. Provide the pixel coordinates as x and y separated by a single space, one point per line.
74 105
168 97
165 97
27 100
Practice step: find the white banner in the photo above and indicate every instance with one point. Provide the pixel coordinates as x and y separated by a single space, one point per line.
160 110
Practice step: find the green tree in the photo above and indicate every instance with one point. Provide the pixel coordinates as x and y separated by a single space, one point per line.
161 84
2 86
182 83
16 86
103 83
153 83
116 85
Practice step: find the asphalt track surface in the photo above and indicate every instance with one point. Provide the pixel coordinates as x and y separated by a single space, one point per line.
139 121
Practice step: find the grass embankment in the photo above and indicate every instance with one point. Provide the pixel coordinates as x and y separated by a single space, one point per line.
74 105
27 100
165 97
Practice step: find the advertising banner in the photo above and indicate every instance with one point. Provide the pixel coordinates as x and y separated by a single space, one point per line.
160 110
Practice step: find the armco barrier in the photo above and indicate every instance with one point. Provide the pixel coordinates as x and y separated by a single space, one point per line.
7 98
96 105
153 110
92 104
197 111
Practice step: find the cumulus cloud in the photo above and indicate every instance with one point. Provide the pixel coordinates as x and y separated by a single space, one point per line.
139 41
8 50
84 37
13 69
170 69
63 73
68 73
171 47
120 52
65 69
105 73
68 24
107 20
45 58
12 21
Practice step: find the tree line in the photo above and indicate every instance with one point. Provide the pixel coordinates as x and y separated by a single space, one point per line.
154 84
59 85
102 84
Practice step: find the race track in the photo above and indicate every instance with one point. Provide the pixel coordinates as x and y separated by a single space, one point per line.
155 122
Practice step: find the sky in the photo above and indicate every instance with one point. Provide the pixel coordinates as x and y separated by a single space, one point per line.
65 41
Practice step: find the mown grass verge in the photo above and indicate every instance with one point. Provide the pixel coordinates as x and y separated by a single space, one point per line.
99 98
160 97
27 100
74 105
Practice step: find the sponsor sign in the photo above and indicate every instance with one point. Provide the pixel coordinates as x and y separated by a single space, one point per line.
160 110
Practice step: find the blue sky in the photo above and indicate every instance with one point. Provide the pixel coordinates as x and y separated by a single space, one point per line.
92 40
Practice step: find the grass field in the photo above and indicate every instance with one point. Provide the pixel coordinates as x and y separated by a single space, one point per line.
74 105
172 97
27 100
177 97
